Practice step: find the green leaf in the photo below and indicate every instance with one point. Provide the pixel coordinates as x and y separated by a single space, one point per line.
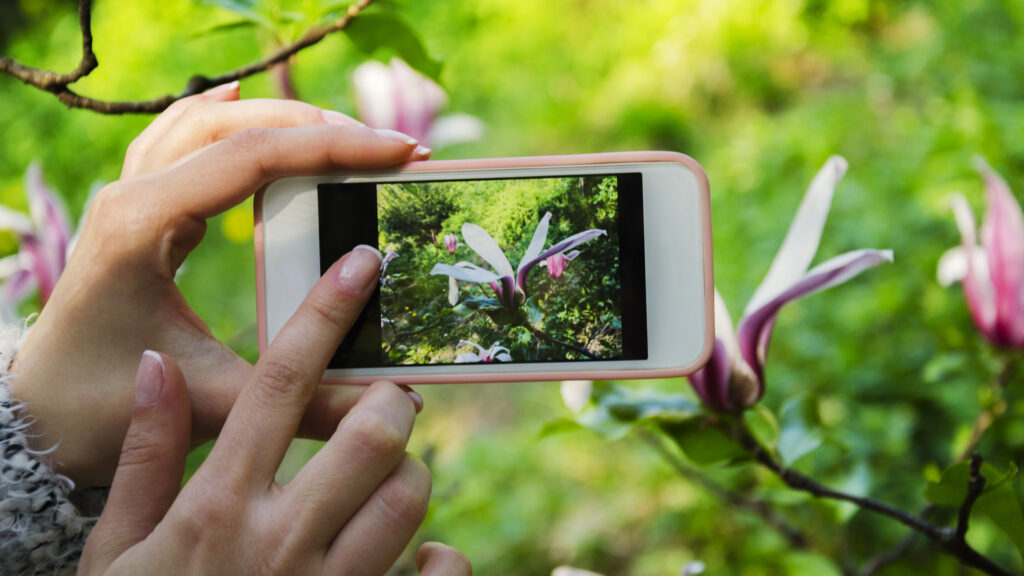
802 563
246 8
616 409
375 32
763 426
560 426
1003 508
796 441
703 444
224 27
951 489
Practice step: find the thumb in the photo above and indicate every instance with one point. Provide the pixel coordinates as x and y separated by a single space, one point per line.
436 559
152 462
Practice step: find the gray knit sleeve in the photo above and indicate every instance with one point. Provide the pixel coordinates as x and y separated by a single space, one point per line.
43 526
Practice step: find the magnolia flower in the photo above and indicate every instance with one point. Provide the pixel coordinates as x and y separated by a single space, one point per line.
386 281
508 285
576 393
992 274
397 97
451 241
44 238
733 379
495 352
557 263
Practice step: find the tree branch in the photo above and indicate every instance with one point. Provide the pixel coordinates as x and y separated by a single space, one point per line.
975 485
947 540
554 340
57 84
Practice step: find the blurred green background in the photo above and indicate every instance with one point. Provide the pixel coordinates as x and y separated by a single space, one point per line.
887 372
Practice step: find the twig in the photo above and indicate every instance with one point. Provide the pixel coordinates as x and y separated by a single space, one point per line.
57 84
761 509
554 340
946 539
975 485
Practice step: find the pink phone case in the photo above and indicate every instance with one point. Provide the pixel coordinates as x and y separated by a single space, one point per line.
525 162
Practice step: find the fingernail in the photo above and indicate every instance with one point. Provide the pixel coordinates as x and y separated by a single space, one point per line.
422 151
397 136
339 119
413 395
149 380
223 88
359 269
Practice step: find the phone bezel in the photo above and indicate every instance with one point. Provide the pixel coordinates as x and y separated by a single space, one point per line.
677 246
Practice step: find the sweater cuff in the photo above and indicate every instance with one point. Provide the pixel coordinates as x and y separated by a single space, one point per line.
42 531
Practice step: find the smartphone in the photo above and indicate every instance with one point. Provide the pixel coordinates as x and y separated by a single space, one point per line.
592 266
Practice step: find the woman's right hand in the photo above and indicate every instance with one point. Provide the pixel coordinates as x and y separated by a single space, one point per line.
351 510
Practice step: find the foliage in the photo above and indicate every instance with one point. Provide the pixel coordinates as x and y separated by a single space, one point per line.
886 376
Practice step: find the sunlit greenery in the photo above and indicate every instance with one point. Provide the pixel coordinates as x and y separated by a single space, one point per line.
880 380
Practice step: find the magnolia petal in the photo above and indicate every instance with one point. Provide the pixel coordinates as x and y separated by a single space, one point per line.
470 343
711 383
576 393
15 221
1002 237
570 242
953 265
456 128
540 236
804 234
503 357
977 283
571 255
9 265
466 358
53 226
481 242
374 95
417 100
453 291
478 276
756 327
18 285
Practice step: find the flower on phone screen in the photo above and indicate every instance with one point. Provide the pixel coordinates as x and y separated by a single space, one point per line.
485 356
509 285
451 242
733 378
992 274
556 264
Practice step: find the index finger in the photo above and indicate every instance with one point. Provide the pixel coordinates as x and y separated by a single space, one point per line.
227 172
266 415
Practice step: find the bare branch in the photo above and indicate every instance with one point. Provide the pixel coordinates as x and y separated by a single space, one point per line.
946 539
58 83
975 485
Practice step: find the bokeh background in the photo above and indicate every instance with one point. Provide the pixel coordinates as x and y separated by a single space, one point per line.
886 374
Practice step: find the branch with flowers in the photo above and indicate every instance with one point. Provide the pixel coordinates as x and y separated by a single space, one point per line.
728 425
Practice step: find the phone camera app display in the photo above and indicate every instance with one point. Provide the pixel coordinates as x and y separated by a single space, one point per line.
494 271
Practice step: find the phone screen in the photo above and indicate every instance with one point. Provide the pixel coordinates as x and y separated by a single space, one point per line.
493 271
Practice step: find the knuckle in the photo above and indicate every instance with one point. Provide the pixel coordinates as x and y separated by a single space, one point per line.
406 495
277 379
251 139
374 435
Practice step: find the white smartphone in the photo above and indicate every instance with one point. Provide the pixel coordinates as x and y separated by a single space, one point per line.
516 269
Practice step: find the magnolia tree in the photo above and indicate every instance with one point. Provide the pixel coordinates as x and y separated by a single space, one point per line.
729 426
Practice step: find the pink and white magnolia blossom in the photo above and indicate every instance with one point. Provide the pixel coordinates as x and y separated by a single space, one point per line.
485 356
396 97
44 240
992 274
733 379
509 285
556 264
451 242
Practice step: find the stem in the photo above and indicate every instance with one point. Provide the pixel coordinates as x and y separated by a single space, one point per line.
947 540
552 339
975 485
792 535
58 83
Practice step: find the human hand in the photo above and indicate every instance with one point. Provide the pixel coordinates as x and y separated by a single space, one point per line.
351 510
117 296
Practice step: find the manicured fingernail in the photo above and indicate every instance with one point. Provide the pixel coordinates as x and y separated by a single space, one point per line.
422 151
413 395
397 136
149 380
223 88
339 119
359 269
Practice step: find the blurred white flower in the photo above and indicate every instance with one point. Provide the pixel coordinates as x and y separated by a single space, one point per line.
691 568
576 393
570 571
